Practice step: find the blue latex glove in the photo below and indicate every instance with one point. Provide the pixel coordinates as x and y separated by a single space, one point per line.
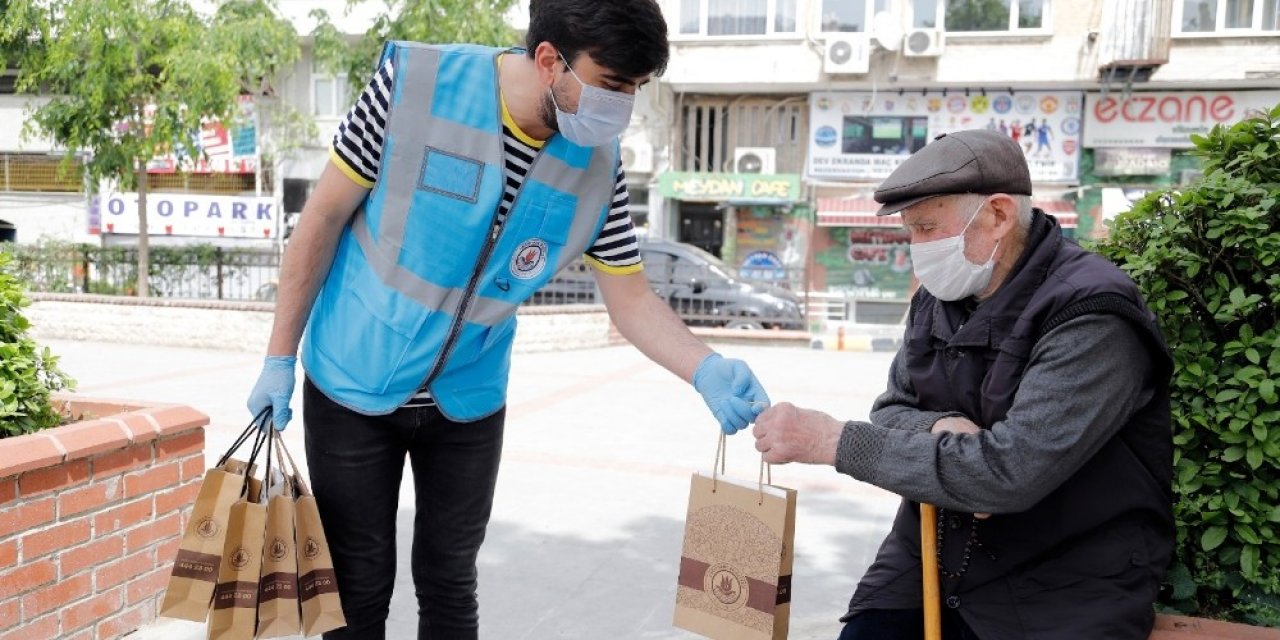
274 389
731 391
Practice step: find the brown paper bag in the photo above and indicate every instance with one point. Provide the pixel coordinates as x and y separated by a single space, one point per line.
235 596
735 566
317 584
195 570
278 613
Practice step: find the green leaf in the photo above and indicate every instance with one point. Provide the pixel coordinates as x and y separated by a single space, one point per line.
1213 537
1254 457
1267 389
1227 396
1249 560
1237 296
1252 355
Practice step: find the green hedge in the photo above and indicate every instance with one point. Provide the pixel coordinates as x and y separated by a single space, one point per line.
1205 257
28 373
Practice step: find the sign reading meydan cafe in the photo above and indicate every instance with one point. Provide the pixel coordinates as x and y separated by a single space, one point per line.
184 214
719 187
865 136
1166 118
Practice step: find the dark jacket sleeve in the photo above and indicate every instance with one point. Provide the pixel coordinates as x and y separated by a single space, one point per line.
1084 380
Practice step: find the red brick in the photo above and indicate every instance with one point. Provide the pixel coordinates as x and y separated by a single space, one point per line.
60 476
26 578
110 575
62 536
10 613
86 634
126 621
166 527
180 445
166 551
74 561
139 426
9 553
46 627
8 489
179 498
96 495
87 612
56 595
178 418
147 585
154 479
26 515
24 453
122 461
94 436
193 467
124 516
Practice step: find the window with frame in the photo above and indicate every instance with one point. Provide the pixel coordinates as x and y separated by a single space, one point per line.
979 16
737 17
329 94
849 16
1227 16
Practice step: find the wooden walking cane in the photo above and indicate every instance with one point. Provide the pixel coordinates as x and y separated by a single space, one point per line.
929 560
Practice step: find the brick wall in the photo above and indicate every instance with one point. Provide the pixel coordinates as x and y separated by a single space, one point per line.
90 518
245 326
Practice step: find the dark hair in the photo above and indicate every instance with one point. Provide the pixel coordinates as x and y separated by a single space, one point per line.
628 37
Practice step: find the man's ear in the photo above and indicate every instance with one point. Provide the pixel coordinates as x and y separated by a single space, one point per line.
1004 219
545 59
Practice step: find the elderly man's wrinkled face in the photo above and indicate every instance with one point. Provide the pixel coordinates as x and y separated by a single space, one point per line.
952 252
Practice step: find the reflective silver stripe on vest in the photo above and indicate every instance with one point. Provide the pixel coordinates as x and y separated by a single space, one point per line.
407 138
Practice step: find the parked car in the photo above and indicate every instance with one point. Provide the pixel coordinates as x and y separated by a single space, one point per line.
705 291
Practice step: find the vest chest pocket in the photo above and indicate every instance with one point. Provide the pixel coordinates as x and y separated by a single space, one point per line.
534 245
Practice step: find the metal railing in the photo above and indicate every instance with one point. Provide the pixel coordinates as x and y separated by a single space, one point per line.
196 272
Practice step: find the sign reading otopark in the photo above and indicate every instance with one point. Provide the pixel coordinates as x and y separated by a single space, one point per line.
864 136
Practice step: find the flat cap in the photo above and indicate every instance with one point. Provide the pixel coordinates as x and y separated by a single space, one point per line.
973 161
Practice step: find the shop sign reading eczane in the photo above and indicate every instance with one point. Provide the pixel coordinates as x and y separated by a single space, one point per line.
1166 119
184 214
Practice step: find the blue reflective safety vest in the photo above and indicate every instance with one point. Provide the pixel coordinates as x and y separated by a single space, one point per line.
424 285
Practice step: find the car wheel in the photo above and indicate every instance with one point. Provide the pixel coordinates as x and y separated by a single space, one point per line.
744 323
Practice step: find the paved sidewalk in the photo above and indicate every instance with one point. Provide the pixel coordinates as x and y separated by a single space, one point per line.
587 524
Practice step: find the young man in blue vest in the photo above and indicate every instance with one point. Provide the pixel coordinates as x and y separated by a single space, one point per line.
460 182
1029 402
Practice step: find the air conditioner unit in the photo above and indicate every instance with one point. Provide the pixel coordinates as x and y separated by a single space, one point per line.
846 53
755 160
637 154
923 43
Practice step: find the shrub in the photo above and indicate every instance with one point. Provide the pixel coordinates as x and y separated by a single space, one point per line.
28 373
1205 256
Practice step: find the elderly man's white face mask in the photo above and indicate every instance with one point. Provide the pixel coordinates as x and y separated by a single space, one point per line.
944 271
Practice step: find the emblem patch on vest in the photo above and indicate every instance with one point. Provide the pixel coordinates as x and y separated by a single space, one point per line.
530 259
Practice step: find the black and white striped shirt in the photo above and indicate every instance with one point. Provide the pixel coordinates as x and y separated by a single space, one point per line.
357 147
357 151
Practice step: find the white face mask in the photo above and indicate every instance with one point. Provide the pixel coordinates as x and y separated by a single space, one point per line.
602 114
945 272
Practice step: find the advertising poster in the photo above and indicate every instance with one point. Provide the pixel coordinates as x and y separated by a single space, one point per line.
225 147
1166 119
768 247
865 136
871 263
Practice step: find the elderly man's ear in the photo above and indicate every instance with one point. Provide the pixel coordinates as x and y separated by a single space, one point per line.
1005 214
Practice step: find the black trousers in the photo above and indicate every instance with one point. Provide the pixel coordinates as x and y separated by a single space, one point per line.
902 624
356 463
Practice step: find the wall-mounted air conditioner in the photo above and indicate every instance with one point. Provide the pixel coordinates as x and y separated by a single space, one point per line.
923 43
847 53
755 160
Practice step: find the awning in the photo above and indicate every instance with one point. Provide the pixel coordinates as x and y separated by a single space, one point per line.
861 212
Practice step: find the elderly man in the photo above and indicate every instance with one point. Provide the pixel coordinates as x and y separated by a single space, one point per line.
1029 402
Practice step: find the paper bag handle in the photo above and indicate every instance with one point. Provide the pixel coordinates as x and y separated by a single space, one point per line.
259 421
717 469
297 475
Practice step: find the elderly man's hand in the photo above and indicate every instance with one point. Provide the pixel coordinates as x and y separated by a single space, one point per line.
786 433
952 424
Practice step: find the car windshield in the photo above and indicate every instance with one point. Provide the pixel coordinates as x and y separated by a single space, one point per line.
714 264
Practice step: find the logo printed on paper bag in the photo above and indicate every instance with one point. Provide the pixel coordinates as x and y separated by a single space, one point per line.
279 549
240 558
311 549
207 527
727 586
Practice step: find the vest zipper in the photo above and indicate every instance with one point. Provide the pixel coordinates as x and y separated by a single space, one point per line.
495 231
